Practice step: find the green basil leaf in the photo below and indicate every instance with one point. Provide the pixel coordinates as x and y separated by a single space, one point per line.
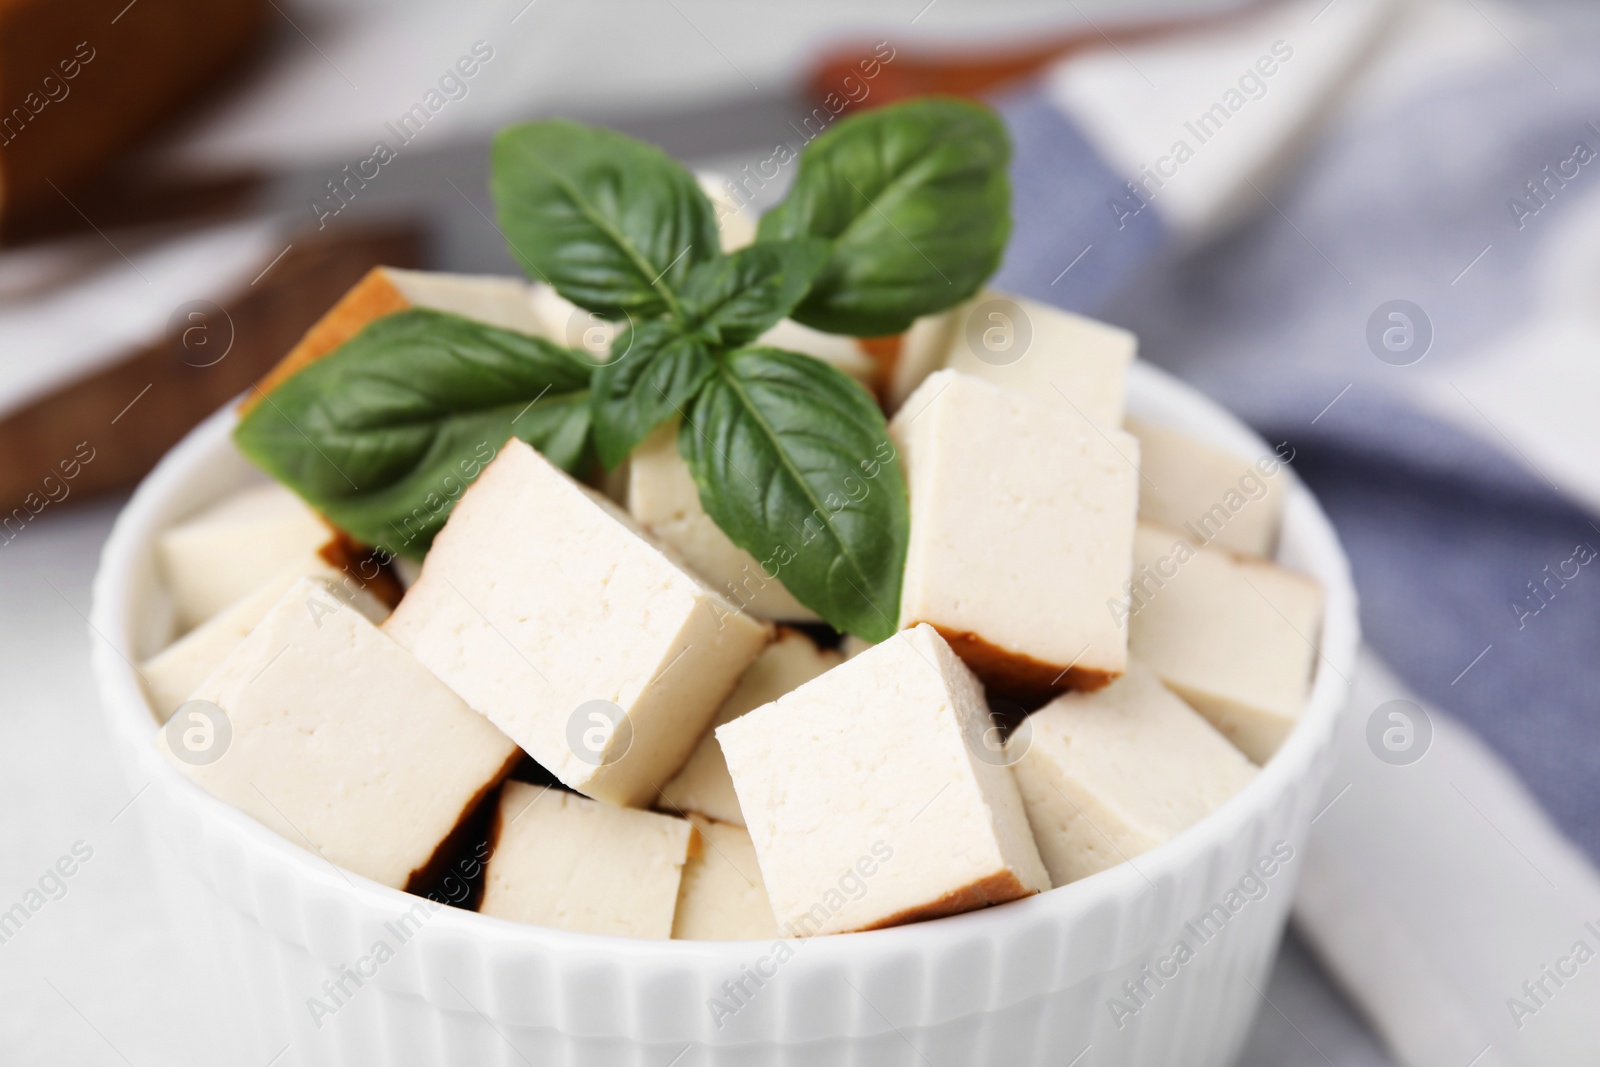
613 223
794 463
383 434
734 299
653 374
916 200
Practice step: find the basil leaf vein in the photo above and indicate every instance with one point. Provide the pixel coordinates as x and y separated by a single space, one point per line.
793 463
734 299
653 374
916 201
613 223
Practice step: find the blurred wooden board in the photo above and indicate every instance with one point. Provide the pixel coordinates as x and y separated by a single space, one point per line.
82 80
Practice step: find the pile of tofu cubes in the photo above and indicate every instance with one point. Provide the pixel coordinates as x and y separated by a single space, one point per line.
1094 651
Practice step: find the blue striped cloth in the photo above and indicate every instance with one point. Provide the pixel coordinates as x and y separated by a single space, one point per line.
1444 531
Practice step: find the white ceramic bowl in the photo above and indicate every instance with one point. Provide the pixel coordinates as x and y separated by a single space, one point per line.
1088 970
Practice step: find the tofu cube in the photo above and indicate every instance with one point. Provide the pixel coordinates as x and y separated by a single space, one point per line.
568 324
736 222
1210 496
213 559
852 646
870 799
922 350
1021 534
1106 776
339 740
703 785
840 352
498 300
722 897
1235 637
663 499
546 610
406 571
175 672
505 302
1052 355
575 864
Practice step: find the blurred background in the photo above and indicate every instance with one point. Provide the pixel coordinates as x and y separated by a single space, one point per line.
1380 243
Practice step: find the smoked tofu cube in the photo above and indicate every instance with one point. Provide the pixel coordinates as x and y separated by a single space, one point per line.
663 499
852 646
1052 355
722 897
1106 776
840 352
567 324
337 739
1209 496
575 864
736 223
172 674
213 559
548 611
1235 637
871 798
922 351
505 302
1021 534
406 571
703 785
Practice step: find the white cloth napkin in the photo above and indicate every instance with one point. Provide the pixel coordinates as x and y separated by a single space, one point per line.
1443 900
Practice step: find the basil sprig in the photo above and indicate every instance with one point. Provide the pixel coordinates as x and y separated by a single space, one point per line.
658 365
894 214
